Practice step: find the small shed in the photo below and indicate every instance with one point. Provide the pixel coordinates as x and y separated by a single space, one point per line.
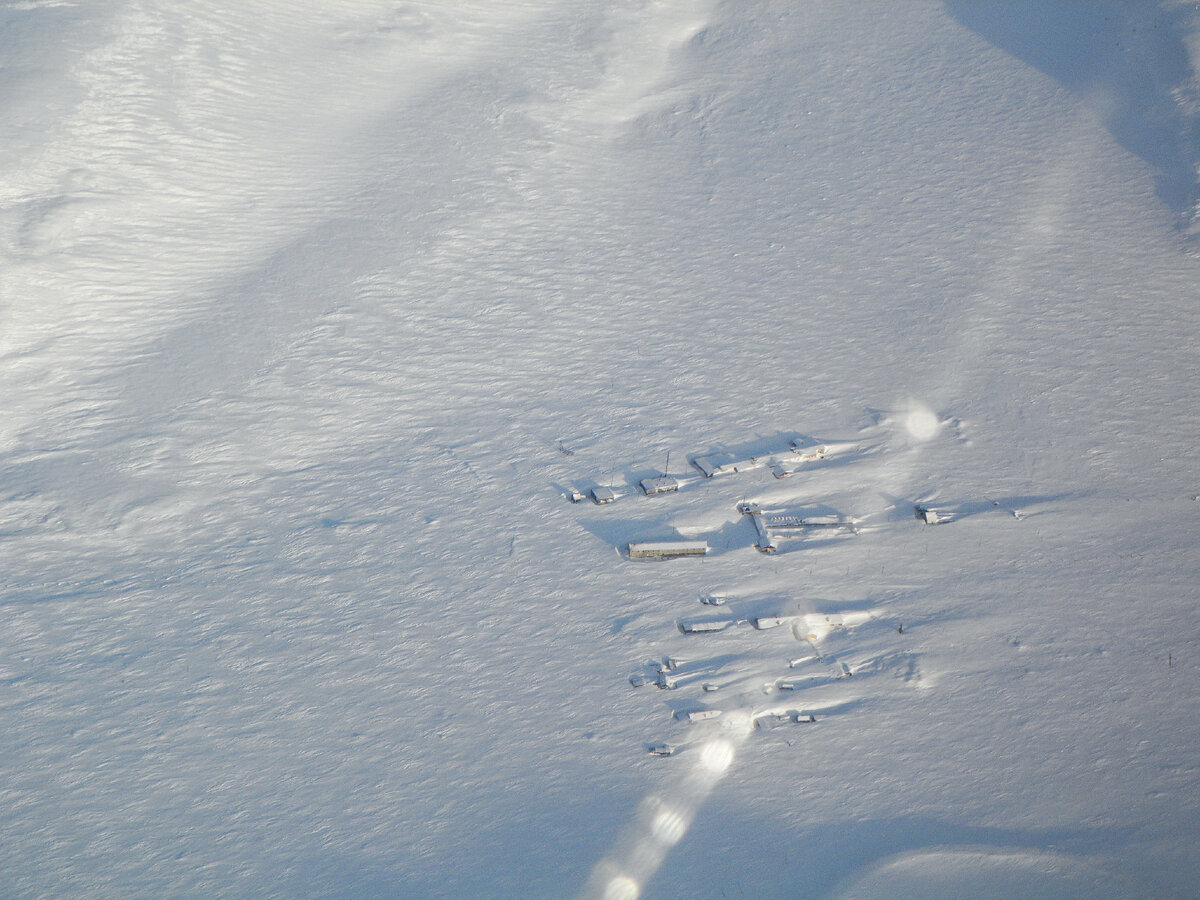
798 684
667 549
931 516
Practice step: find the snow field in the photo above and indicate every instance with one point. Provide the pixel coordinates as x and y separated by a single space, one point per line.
297 305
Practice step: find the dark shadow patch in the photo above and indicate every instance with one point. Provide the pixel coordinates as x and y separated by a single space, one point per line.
618 533
817 861
1125 59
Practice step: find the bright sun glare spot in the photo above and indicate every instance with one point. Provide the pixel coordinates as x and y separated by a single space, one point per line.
669 826
716 756
921 422
622 888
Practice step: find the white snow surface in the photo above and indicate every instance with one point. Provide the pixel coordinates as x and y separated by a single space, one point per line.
311 313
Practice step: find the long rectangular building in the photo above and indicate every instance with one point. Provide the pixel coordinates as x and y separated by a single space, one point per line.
667 549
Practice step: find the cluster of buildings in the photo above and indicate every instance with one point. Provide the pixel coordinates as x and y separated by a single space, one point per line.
772 526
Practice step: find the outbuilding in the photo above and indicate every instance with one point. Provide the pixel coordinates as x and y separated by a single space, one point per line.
931 516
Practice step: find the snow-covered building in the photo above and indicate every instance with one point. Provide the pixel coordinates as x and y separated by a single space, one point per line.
667 549
930 516
710 467
768 522
699 715
602 495
798 452
660 484
704 625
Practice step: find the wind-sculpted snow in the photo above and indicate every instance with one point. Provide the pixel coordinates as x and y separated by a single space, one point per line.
311 316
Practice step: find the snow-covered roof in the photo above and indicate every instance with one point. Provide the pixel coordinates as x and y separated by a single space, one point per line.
660 484
668 548
603 494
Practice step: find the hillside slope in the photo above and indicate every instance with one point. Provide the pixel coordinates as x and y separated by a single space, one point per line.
313 313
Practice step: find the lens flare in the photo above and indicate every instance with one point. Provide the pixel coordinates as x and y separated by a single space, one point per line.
716 756
669 826
921 422
622 888
664 817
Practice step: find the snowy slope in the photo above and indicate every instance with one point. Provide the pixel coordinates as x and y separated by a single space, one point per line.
311 314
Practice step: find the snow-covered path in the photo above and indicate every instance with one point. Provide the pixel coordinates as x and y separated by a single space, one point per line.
298 305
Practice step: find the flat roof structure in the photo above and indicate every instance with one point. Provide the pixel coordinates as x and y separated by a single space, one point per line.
704 625
667 549
661 484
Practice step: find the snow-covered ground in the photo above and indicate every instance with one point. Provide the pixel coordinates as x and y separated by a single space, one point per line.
313 312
